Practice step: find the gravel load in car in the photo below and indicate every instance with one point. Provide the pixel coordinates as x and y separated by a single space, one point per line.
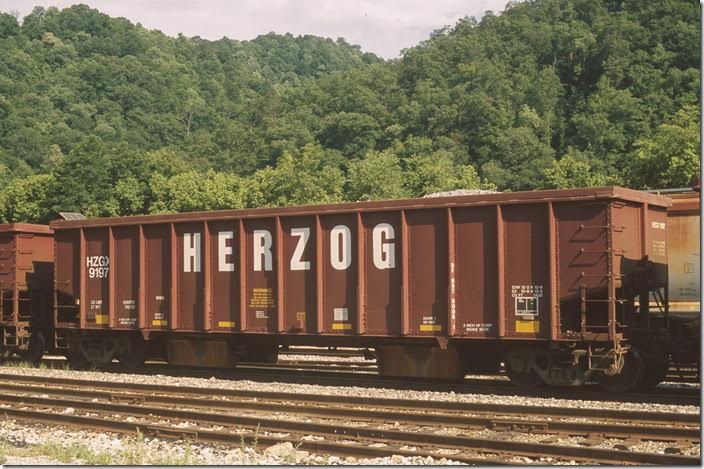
458 192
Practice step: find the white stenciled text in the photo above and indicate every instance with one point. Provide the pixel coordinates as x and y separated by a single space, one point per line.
98 266
262 257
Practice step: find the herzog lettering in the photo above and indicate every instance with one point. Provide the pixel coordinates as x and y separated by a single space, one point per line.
383 249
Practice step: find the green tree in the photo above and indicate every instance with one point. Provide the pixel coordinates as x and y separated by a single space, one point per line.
299 178
192 105
166 161
610 125
376 176
521 158
568 172
193 191
129 197
670 158
352 133
468 178
427 173
105 106
81 181
437 172
26 200
9 26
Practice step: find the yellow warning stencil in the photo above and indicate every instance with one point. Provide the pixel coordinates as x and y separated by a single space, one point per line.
102 319
339 326
226 324
430 327
159 322
531 327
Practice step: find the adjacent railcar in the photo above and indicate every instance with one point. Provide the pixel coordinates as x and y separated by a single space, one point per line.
684 263
26 289
683 233
546 281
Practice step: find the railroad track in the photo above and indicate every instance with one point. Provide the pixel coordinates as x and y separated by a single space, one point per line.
299 373
353 426
328 377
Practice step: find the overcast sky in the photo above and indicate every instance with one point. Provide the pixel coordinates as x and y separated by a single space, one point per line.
382 26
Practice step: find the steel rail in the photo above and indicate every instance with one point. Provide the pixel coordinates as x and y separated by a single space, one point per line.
332 430
225 438
369 367
331 377
634 429
469 386
362 378
386 403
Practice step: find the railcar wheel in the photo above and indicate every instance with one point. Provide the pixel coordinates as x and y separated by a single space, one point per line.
654 373
134 354
5 352
630 376
35 348
261 354
520 372
76 360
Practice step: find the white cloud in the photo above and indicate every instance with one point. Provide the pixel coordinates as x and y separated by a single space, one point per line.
383 26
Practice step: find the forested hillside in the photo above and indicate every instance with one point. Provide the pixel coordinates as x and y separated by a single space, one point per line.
102 116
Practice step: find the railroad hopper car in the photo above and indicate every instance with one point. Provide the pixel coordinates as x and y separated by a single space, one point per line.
26 289
545 281
684 263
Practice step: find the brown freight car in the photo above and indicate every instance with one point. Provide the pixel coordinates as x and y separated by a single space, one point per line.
684 257
26 289
545 281
684 264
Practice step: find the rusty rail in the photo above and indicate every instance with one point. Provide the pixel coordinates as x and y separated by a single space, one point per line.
371 380
508 418
546 411
361 435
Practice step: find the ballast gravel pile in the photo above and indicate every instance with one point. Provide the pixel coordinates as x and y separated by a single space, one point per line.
376 392
458 192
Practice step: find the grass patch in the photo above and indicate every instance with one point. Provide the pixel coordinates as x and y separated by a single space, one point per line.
21 364
291 458
134 452
3 450
65 454
42 365
186 459
255 441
